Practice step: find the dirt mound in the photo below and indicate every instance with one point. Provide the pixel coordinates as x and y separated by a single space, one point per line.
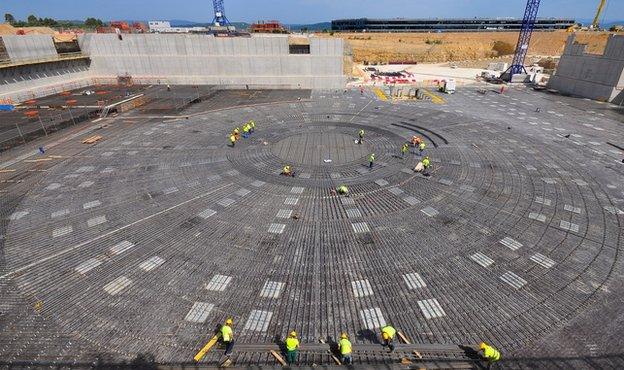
7 29
460 46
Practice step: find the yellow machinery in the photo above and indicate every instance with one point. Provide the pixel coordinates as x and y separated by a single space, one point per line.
596 22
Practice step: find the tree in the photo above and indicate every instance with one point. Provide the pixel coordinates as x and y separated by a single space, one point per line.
32 20
9 18
93 23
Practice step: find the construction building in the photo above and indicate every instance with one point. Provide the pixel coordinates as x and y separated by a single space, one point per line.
445 25
267 27
593 76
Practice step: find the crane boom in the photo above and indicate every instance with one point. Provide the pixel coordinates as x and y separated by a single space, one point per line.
596 21
220 19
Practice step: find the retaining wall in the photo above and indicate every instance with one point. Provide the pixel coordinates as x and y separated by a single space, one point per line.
18 84
593 76
259 62
29 47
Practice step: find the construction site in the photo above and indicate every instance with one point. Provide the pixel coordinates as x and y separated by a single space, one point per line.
210 197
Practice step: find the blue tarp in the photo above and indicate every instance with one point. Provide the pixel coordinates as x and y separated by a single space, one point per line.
7 107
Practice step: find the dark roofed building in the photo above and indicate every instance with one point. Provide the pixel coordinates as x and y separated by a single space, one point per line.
448 25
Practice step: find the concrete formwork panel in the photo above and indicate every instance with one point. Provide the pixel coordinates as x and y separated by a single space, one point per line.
205 59
26 47
589 75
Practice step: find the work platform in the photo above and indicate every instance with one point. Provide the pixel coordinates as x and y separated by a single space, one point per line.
144 241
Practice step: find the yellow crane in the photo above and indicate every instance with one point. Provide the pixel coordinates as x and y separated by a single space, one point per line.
596 22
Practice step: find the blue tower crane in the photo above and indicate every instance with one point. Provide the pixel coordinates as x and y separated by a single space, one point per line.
528 23
220 19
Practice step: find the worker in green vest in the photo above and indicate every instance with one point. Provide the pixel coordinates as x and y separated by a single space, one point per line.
344 345
361 136
342 190
490 354
387 335
404 149
371 160
292 345
252 126
227 336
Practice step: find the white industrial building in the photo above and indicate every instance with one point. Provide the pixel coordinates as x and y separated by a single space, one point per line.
165 27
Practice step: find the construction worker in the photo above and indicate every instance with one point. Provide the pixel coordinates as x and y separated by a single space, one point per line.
371 160
404 149
246 130
227 336
232 140
387 334
426 164
360 136
416 141
287 171
236 133
292 345
421 147
342 190
490 354
344 345
252 126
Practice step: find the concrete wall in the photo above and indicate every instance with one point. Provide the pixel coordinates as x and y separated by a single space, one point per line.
199 59
592 76
28 47
22 83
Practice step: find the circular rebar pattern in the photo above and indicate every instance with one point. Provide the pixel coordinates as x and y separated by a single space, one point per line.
147 241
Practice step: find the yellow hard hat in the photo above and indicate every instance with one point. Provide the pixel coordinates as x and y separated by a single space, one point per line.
385 336
293 334
344 336
482 345
426 157
229 321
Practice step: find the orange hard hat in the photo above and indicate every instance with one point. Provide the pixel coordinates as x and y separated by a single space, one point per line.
482 345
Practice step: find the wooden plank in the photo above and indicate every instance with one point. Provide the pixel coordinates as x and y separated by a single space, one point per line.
278 357
403 337
206 348
418 354
92 139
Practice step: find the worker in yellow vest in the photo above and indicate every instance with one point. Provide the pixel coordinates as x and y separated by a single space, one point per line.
404 149
371 160
232 140
236 132
344 345
490 354
426 164
246 130
227 336
287 171
292 345
360 136
252 126
387 335
421 147
342 190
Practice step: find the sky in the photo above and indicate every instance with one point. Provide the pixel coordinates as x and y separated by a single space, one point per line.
301 11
